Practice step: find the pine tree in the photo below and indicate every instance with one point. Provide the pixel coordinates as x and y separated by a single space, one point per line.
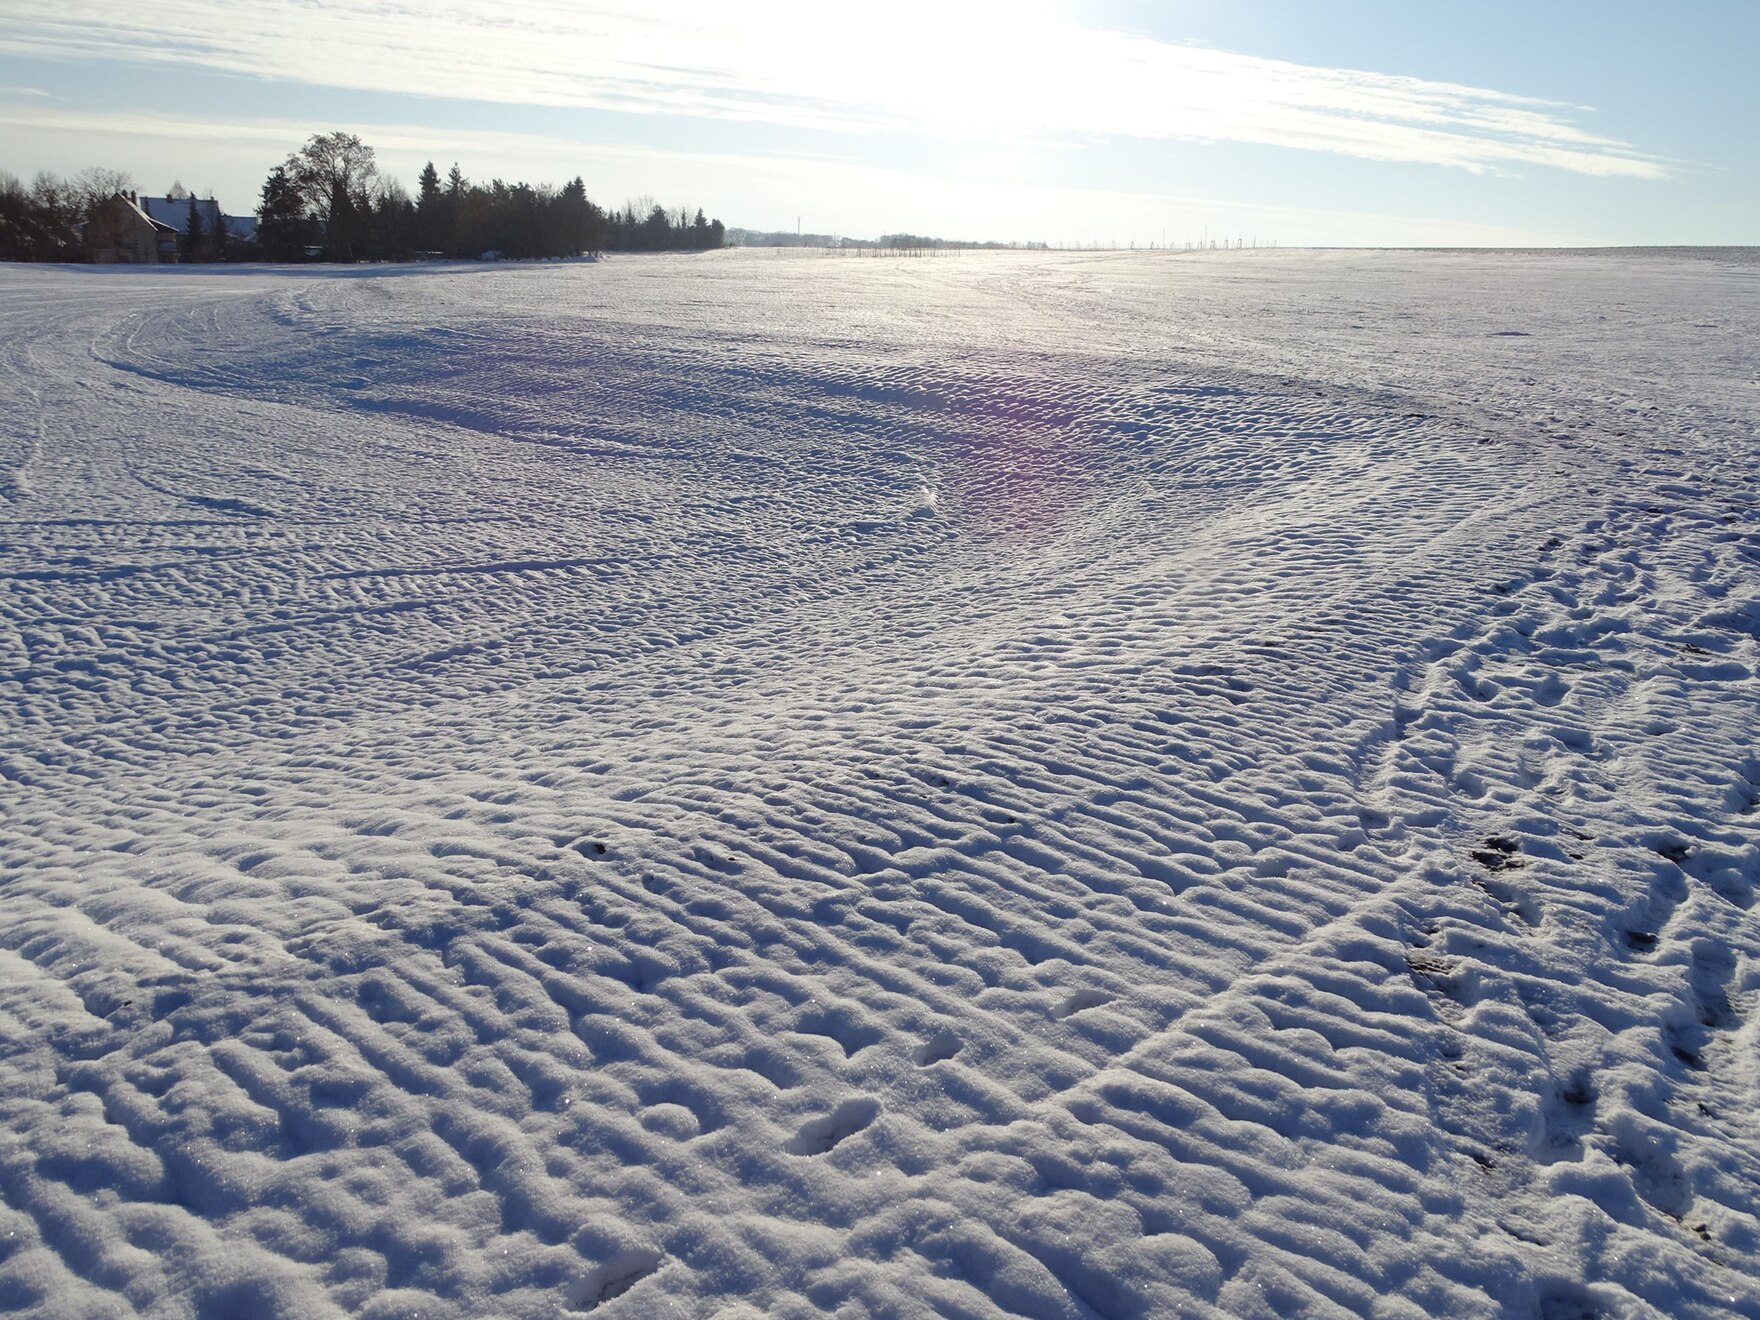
656 234
282 231
194 246
453 229
430 208
575 220
341 227
218 240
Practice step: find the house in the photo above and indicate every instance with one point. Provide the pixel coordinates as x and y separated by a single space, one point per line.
118 230
174 211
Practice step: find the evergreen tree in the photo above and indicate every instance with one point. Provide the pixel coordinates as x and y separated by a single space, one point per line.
431 225
598 229
393 233
282 231
26 232
193 244
454 241
342 223
656 230
574 220
219 239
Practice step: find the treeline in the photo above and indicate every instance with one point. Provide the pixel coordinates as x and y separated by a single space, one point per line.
45 221
329 201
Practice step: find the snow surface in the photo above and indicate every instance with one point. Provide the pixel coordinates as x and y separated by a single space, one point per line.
1052 785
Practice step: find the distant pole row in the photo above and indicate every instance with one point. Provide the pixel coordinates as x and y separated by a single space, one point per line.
929 247
858 249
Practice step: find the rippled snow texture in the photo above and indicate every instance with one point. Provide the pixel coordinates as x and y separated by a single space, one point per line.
1039 785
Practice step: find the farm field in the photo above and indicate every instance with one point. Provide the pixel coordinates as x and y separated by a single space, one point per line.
1051 784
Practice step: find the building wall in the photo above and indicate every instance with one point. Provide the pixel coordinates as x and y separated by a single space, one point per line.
116 233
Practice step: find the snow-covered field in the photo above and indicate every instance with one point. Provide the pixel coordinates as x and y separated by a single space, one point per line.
1051 785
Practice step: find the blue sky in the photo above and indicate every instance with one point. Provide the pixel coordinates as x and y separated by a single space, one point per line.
1360 121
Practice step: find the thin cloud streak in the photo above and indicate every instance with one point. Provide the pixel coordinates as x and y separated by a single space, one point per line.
1019 73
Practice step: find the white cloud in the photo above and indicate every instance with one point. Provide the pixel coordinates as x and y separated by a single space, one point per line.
1022 71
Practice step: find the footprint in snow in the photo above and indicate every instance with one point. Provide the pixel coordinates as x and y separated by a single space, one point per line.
614 1278
819 1135
1498 853
1672 850
1081 999
1713 968
942 1045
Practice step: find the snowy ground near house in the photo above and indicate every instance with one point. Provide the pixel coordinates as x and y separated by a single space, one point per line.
1052 785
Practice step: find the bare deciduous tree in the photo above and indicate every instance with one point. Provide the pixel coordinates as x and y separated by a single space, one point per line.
330 162
95 184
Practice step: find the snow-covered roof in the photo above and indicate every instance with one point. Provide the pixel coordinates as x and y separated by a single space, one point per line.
174 211
159 225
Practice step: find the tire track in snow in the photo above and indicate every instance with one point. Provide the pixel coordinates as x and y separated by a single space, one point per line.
1025 881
